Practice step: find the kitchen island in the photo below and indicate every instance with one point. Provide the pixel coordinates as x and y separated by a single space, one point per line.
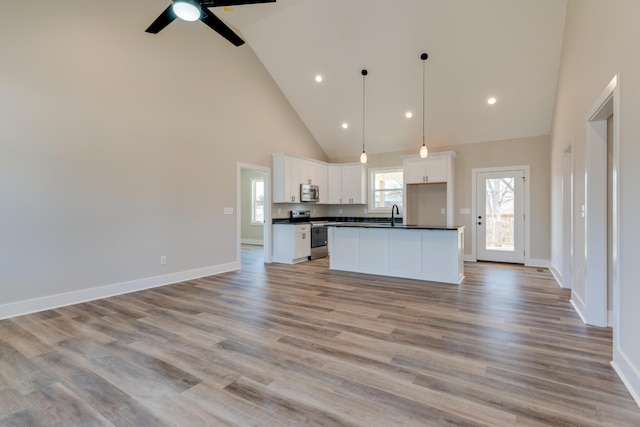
410 251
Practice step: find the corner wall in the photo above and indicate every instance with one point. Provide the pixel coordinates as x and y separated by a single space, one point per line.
601 39
118 147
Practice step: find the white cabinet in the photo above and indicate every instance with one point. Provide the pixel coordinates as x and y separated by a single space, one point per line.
438 168
291 243
286 179
431 169
424 254
347 184
335 184
312 172
338 183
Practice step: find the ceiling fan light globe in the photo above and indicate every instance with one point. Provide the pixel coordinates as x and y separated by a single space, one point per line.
424 152
187 10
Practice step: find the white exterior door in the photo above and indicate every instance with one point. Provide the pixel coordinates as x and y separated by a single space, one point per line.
500 216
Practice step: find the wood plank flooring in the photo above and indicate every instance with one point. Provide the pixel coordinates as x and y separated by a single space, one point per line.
282 345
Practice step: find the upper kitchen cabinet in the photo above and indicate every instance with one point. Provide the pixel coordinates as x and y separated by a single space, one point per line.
347 184
312 172
429 179
286 178
437 167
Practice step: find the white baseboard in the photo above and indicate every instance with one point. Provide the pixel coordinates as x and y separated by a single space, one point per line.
60 300
470 258
628 373
579 307
534 262
255 242
556 274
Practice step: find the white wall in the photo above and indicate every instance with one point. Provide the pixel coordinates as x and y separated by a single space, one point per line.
601 40
117 146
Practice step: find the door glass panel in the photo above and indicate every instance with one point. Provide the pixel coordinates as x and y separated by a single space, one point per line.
499 214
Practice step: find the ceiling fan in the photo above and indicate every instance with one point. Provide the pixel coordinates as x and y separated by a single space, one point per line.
193 10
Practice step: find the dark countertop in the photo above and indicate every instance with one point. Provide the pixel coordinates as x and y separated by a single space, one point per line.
342 219
397 226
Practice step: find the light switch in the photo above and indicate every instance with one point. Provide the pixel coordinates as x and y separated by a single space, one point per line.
443 211
228 211
465 211
582 211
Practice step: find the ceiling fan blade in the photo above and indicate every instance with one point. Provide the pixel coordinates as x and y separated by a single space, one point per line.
215 23
214 3
162 21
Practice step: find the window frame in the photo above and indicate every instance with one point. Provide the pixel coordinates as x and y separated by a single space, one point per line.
254 181
372 188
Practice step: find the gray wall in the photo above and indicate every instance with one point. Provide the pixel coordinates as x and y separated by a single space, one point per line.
601 40
118 147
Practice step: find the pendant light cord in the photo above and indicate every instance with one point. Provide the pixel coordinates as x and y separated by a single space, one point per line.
423 89
364 73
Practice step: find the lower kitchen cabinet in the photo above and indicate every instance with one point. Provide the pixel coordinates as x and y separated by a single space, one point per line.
291 243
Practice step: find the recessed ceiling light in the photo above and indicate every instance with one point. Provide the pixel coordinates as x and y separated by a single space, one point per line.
408 114
491 101
345 125
318 78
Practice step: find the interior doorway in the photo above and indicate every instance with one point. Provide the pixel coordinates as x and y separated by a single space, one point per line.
499 214
253 207
601 211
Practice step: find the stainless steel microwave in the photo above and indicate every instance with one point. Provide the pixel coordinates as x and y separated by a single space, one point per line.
309 193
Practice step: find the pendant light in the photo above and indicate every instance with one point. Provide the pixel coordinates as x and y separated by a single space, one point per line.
424 152
363 156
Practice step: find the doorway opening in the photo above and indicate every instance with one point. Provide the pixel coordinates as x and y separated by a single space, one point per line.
500 203
601 211
253 221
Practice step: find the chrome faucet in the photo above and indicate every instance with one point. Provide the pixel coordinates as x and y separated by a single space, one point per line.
393 223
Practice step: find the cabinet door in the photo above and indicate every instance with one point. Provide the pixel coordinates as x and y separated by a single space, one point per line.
436 169
414 171
353 184
302 241
334 193
323 183
292 179
308 173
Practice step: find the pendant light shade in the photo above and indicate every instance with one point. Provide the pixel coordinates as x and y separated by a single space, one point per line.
424 152
363 156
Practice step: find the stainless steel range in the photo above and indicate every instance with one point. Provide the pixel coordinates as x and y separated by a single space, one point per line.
319 235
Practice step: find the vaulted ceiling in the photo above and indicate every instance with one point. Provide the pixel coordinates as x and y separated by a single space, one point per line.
507 49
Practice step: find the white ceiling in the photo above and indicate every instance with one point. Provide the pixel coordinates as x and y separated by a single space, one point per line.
509 49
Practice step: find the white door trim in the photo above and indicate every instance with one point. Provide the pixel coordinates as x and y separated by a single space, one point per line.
595 220
267 209
568 212
527 208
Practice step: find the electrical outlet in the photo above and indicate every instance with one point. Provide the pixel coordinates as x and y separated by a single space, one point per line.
443 211
279 211
163 260
340 210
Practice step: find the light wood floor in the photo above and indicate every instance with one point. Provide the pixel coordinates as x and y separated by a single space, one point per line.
301 345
